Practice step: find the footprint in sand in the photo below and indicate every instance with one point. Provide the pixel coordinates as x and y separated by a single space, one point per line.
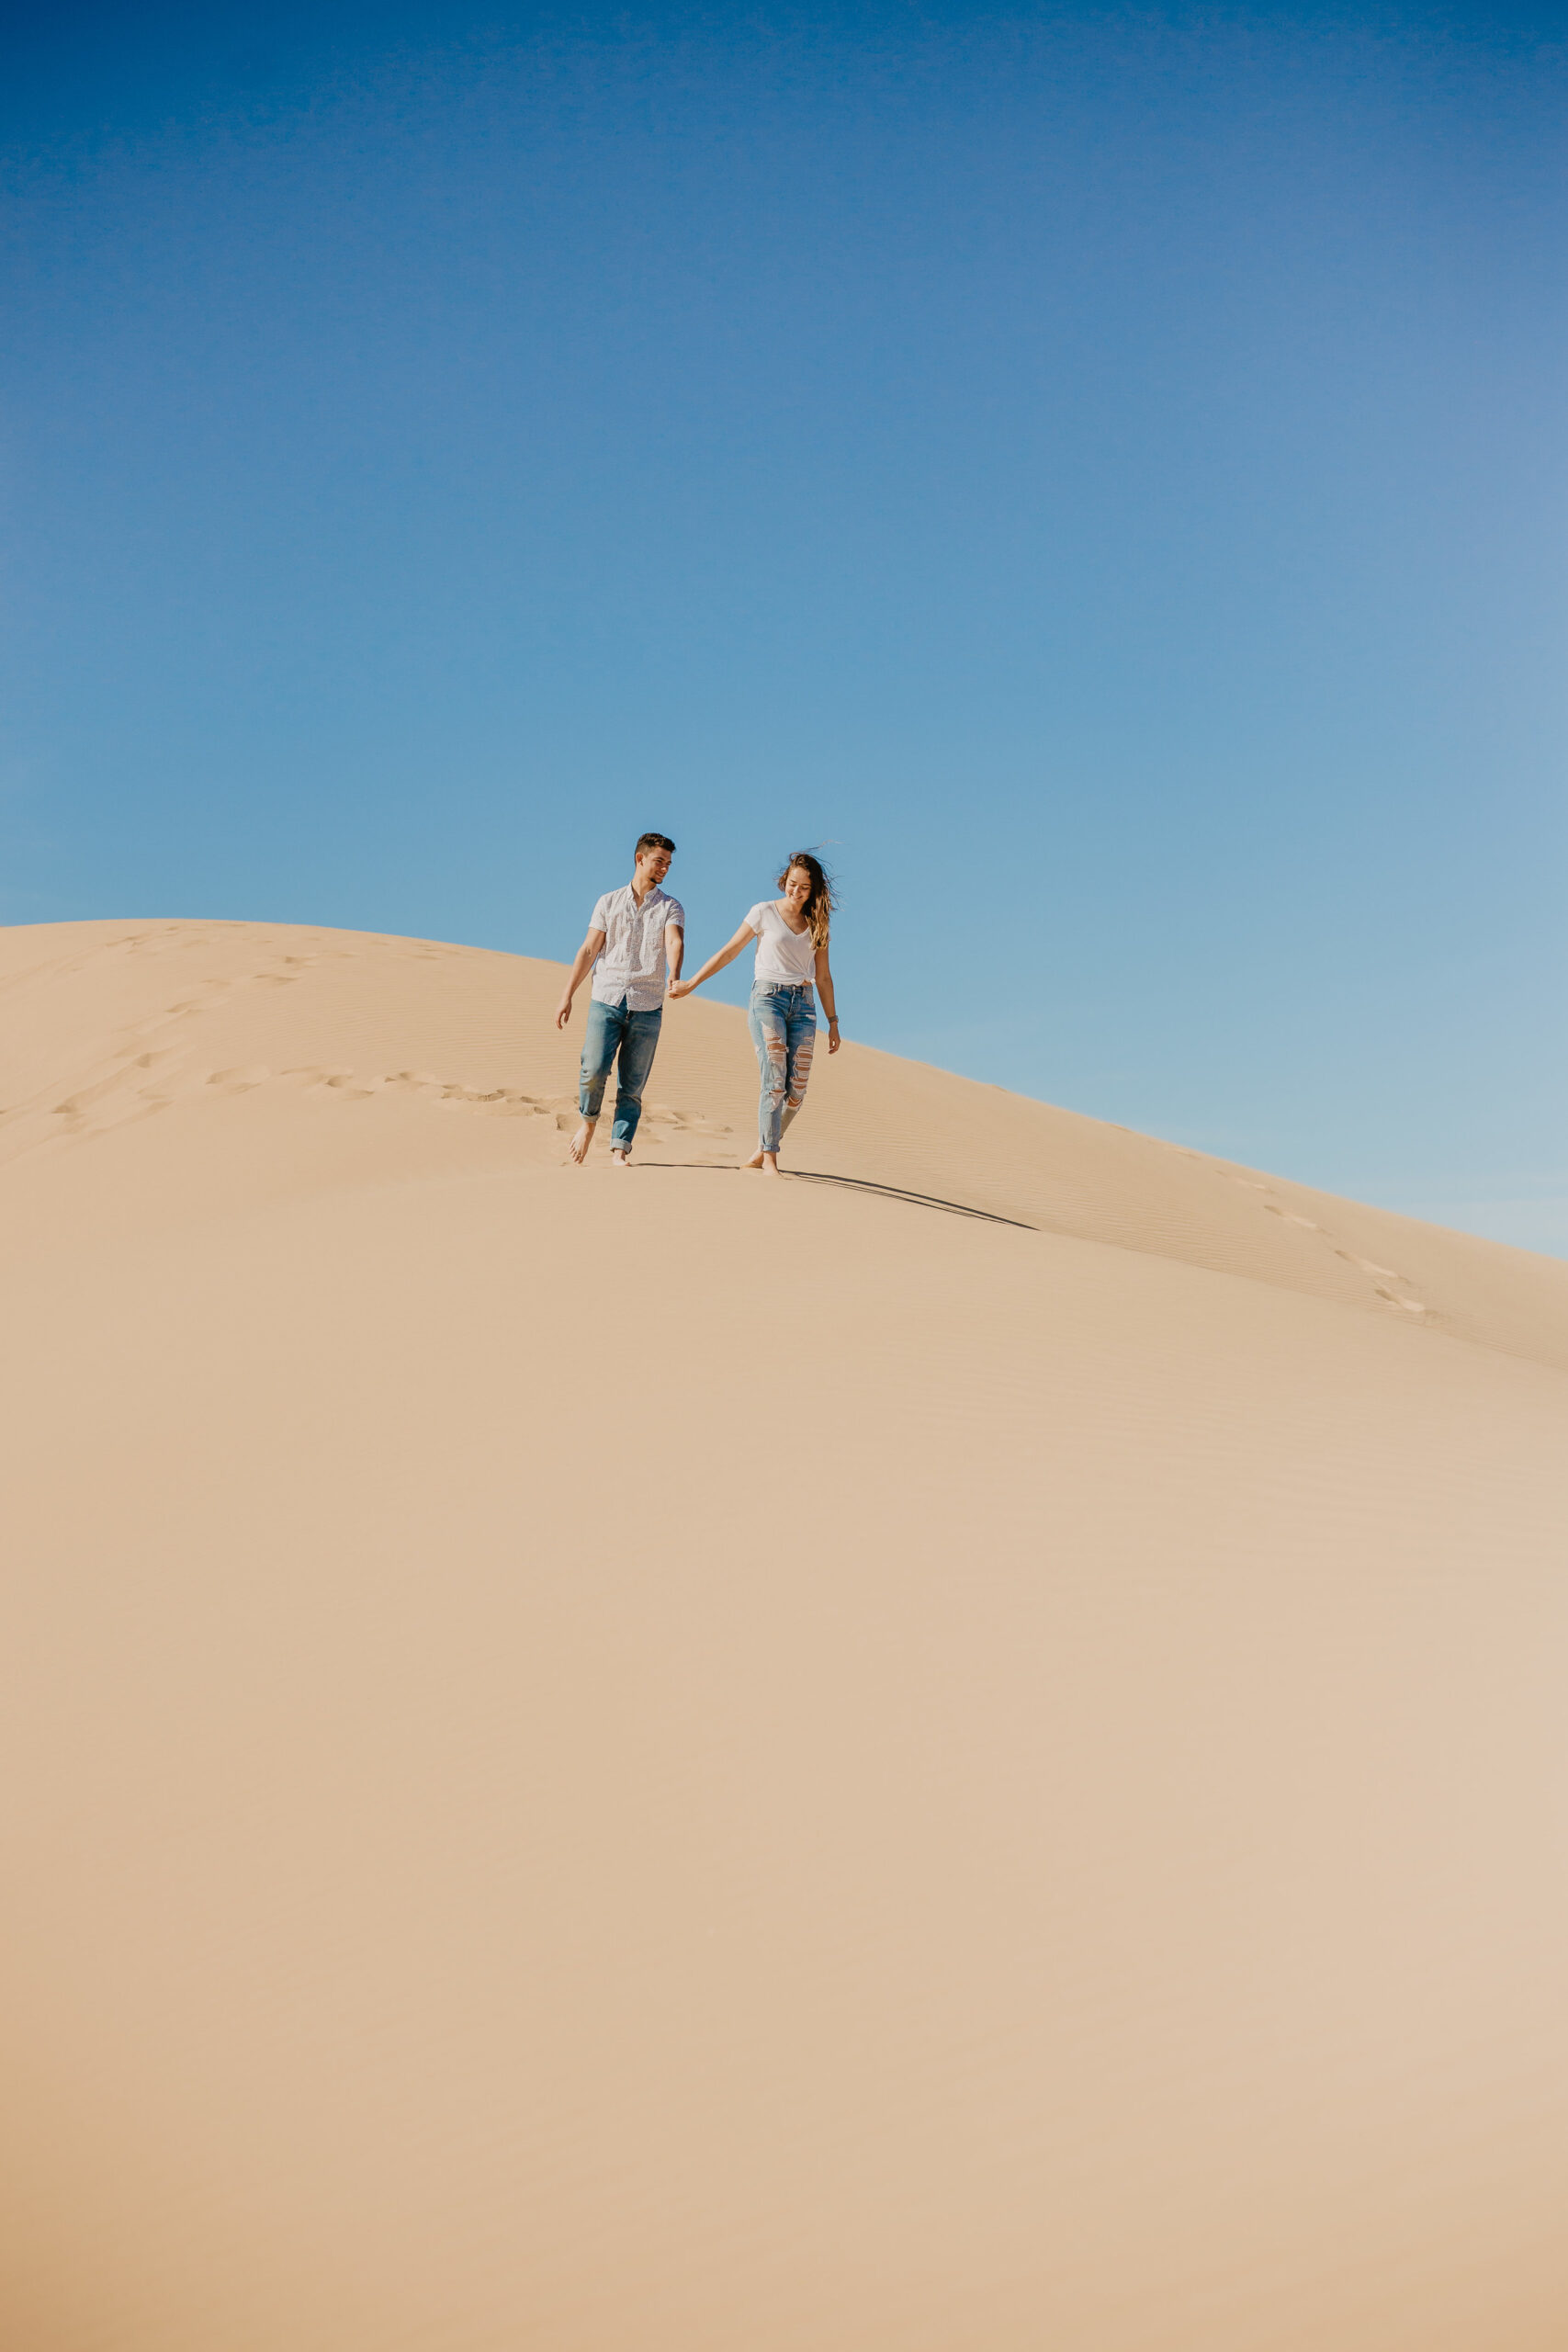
1381 1277
444 1094
86 1096
661 1117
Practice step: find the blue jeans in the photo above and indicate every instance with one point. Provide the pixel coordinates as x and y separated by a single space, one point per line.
612 1029
783 1029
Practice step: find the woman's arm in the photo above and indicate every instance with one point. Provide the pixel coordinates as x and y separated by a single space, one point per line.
716 963
825 991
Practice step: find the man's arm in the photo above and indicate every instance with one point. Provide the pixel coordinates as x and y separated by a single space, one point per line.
674 949
578 973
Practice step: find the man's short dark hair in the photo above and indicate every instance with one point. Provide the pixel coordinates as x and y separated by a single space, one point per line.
653 841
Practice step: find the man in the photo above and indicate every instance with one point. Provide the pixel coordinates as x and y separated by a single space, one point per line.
634 935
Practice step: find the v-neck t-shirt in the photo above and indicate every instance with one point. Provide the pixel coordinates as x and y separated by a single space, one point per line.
786 958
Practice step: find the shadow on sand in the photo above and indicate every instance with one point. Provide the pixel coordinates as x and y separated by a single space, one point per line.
858 1184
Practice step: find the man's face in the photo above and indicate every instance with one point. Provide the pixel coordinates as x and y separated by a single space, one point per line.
652 865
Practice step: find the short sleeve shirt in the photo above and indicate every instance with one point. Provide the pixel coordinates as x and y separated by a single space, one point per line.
786 958
630 965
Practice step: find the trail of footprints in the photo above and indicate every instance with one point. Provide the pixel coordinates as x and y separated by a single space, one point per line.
1388 1283
132 1077
505 1101
135 1077
356 1086
1383 1276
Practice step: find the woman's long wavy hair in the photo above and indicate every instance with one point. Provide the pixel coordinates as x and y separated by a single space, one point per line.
823 899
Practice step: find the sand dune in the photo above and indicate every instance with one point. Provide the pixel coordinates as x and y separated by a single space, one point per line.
963 1753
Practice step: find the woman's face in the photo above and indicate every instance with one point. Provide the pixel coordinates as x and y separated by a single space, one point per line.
797 889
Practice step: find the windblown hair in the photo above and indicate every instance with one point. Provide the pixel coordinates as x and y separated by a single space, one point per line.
821 904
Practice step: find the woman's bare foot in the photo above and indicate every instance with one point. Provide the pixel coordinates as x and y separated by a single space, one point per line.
581 1140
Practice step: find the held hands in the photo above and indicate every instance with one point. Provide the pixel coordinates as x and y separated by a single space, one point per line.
680 988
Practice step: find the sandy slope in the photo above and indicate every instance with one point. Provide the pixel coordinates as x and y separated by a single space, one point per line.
617 1763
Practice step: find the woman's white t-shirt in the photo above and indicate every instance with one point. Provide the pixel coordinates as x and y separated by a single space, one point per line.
786 958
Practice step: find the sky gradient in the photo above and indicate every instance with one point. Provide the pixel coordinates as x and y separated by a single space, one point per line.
1101 472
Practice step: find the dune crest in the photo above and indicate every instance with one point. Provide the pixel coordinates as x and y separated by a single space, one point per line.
108 1023
964 1752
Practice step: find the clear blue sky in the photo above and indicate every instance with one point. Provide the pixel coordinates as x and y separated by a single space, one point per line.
1102 472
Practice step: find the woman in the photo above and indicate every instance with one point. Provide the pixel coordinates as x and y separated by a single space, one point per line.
791 934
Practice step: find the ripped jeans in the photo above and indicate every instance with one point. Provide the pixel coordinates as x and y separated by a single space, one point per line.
783 1029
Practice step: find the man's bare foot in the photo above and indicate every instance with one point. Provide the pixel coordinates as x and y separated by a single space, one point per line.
581 1140
770 1164
620 1160
755 1161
